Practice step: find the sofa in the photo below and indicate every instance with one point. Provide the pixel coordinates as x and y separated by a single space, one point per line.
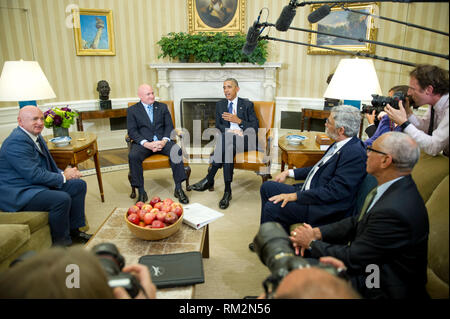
432 179
21 232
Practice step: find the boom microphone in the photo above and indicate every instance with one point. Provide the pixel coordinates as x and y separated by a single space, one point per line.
286 16
252 39
320 13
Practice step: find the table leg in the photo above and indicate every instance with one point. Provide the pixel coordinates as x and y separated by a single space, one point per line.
99 175
205 243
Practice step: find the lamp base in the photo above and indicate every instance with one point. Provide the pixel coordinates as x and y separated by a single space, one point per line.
23 103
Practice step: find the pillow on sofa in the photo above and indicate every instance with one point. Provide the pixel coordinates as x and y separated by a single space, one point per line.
429 172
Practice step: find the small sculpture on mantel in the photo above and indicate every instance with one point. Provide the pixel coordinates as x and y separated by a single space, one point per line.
103 90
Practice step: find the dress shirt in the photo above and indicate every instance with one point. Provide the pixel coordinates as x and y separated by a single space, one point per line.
234 126
339 145
151 118
437 142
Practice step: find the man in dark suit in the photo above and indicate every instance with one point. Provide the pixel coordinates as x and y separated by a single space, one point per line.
330 187
384 248
149 125
31 181
238 125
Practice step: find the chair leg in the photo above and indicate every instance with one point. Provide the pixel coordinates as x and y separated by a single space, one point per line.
133 190
266 177
188 175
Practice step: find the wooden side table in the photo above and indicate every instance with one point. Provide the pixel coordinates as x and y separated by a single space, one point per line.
82 147
305 154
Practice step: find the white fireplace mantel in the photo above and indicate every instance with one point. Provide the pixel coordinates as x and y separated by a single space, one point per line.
177 81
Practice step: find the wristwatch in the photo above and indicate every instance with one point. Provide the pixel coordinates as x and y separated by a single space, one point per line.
309 248
405 124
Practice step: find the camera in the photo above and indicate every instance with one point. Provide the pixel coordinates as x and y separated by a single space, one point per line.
275 250
379 102
112 263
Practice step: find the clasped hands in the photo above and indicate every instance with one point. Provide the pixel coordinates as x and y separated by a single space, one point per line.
72 173
155 146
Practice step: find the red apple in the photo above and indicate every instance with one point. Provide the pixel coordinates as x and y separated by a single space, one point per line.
149 218
146 208
157 224
158 205
168 201
141 214
171 218
166 208
133 210
161 216
134 218
154 211
154 200
141 223
140 204
178 211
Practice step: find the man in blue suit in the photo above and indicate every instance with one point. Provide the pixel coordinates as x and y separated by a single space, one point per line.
330 187
31 181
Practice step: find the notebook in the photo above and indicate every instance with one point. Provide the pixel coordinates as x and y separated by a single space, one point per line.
197 215
173 270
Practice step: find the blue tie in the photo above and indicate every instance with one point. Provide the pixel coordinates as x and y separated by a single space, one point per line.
150 112
230 108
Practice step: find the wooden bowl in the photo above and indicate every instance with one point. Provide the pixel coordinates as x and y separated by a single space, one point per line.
154 233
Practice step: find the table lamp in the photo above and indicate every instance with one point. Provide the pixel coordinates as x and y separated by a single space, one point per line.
354 80
24 81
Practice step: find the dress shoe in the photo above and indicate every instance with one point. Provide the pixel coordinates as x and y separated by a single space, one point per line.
80 237
251 246
181 196
225 201
142 197
203 185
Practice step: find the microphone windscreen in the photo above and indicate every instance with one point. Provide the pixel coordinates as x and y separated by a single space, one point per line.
248 48
285 19
319 14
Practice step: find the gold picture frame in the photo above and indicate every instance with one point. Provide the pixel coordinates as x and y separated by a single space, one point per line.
93 31
216 16
346 23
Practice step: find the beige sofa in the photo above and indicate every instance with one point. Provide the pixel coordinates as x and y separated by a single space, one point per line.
21 232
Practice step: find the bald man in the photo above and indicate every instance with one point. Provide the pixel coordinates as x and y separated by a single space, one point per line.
149 126
314 283
31 181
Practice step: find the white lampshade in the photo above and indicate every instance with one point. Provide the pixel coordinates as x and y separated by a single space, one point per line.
354 79
24 81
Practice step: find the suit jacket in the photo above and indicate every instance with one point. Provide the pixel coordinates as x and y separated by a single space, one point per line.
245 112
333 189
139 125
393 234
25 170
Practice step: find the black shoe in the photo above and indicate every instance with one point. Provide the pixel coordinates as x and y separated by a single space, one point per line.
79 237
251 246
225 201
142 197
181 196
203 185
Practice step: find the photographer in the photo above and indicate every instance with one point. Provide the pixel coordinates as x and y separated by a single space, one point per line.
428 85
390 234
53 274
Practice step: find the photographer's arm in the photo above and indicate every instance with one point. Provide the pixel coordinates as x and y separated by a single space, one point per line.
142 273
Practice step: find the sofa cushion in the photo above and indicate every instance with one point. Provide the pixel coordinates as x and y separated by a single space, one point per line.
438 208
12 237
35 220
429 172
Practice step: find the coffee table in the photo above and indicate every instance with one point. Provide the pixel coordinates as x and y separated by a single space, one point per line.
305 154
114 230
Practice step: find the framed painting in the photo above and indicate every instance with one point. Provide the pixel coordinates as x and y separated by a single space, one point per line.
216 16
346 23
94 32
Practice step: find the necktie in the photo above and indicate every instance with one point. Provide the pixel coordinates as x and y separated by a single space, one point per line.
318 165
230 108
150 112
367 202
430 128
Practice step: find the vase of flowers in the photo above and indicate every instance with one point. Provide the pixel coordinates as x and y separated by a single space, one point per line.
60 120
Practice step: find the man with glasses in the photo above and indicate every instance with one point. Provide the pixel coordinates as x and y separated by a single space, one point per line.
428 85
387 241
329 191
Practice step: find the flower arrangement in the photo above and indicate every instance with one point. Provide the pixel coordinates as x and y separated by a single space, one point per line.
59 117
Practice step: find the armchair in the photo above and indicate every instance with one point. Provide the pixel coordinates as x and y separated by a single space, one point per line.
158 161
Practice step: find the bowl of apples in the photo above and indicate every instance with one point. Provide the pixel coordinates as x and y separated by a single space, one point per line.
155 220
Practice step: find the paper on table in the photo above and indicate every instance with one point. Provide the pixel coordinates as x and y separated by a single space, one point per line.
197 215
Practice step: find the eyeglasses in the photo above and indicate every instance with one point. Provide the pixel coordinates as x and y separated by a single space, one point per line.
370 149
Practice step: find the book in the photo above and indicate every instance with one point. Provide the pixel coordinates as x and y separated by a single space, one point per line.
323 139
173 270
197 215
